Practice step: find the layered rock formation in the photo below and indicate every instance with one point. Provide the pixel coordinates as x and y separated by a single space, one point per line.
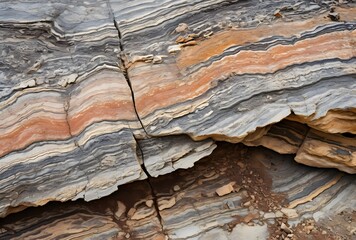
268 189
97 94
68 118
312 147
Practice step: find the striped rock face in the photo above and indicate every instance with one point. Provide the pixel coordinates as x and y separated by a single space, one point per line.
229 79
231 76
68 124
67 116
267 189
97 94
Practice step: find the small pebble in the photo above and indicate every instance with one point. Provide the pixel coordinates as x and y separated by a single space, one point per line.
247 204
269 215
182 27
149 203
285 228
131 212
174 49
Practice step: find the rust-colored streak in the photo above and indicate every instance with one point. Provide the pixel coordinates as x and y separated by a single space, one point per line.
237 37
332 45
34 130
46 129
107 111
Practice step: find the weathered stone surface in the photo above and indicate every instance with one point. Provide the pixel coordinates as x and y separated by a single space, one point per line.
234 75
328 150
97 219
68 123
335 121
60 135
198 212
284 137
167 154
96 94
248 69
312 147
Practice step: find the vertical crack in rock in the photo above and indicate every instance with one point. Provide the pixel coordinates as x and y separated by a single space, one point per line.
155 198
123 66
124 70
66 109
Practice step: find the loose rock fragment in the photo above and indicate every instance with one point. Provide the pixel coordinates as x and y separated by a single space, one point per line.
278 13
68 79
249 217
226 189
334 16
285 228
247 204
131 212
149 203
190 43
269 215
30 83
174 49
176 188
289 212
121 209
182 27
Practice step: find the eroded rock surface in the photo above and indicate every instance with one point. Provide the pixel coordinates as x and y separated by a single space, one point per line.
272 194
98 94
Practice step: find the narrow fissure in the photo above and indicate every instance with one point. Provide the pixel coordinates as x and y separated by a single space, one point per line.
66 109
124 70
124 67
154 196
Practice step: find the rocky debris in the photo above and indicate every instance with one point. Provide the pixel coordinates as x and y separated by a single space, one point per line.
333 15
269 215
290 213
166 203
285 228
121 209
176 188
226 189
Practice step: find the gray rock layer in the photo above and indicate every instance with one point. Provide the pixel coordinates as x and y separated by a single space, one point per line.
97 94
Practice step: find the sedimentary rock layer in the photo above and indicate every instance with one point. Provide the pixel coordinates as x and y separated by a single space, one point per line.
312 147
68 123
230 76
265 190
284 137
67 113
326 150
107 218
97 94
167 154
